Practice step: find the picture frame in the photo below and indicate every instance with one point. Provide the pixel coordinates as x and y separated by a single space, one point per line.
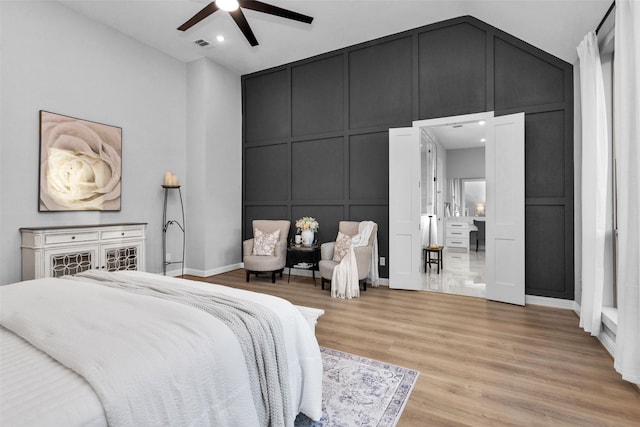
80 164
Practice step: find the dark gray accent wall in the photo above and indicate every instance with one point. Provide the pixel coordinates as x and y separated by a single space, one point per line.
315 136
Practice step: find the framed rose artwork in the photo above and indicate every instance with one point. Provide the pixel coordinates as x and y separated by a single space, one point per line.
80 164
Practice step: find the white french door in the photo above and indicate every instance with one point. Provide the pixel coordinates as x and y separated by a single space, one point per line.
504 158
505 191
404 208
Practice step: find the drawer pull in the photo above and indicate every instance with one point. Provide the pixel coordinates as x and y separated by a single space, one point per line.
456 233
73 237
122 233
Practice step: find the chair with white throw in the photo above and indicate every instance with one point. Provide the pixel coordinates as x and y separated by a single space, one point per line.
267 251
332 253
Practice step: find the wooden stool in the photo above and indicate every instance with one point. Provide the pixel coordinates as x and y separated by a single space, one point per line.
428 259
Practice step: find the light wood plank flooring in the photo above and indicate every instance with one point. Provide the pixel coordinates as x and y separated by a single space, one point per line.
480 362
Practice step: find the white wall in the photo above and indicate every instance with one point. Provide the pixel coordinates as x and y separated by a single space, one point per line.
214 156
57 60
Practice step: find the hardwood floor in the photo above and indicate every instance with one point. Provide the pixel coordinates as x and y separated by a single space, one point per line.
480 362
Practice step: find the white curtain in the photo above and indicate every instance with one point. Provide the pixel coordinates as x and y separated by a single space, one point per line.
595 177
627 134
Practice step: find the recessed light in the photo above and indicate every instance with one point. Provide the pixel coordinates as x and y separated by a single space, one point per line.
481 122
220 38
483 140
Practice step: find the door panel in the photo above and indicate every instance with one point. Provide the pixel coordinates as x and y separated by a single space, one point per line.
404 208
505 221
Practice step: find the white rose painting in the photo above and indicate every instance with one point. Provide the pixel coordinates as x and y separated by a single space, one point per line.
80 164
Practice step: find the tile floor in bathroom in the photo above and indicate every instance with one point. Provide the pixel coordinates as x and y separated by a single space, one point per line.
462 274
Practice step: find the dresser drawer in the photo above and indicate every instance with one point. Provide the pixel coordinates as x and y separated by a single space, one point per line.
458 242
457 234
457 226
83 236
121 234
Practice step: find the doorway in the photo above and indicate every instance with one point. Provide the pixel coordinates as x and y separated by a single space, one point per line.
453 206
504 207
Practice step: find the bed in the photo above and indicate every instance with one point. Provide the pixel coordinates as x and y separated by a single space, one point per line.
132 348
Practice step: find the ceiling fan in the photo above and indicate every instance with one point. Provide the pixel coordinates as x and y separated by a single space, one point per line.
234 9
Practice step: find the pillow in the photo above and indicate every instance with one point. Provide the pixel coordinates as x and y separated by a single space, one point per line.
264 243
343 243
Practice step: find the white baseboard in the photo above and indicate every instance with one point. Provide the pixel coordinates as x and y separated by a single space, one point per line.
231 267
608 343
550 302
607 322
211 271
383 282
174 272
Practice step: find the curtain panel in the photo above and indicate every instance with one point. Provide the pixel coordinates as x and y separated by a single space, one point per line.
596 176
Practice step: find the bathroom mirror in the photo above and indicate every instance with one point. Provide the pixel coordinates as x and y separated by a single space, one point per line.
474 197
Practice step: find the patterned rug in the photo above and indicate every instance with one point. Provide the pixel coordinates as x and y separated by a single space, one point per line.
357 391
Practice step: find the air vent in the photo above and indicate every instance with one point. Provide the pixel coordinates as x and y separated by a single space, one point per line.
202 42
457 126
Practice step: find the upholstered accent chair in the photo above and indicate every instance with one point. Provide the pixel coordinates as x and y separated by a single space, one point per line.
257 254
363 254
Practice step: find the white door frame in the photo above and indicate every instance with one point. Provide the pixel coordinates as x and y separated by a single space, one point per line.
412 279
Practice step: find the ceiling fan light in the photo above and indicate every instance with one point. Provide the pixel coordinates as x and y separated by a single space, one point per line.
228 5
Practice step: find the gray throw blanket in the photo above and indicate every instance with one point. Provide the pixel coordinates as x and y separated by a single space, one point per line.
258 330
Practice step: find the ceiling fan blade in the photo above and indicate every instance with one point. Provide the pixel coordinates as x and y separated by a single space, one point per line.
206 11
275 10
242 23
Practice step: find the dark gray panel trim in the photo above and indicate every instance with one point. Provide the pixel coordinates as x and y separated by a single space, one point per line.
317 91
266 105
452 70
349 206
318 170
380 84
545 244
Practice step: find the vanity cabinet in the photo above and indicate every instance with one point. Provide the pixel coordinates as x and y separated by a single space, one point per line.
457 234
59 251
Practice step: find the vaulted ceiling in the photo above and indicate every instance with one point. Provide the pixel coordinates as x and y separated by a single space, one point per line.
555 26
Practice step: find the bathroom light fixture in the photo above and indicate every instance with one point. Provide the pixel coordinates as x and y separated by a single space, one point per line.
220 38
481 122
483 140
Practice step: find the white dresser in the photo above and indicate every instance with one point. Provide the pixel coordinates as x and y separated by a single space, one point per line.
59 251
457 233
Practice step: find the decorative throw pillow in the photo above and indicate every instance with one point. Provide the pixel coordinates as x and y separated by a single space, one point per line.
264 243
343 243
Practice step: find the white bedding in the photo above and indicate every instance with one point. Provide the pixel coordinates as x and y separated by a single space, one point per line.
36 390
305 369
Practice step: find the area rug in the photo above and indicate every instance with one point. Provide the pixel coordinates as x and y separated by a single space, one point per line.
357 391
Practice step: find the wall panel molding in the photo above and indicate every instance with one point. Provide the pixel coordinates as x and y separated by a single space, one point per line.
354 95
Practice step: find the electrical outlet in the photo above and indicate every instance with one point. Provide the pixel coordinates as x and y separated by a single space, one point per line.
383 261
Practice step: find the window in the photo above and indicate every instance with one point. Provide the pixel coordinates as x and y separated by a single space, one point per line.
607 59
